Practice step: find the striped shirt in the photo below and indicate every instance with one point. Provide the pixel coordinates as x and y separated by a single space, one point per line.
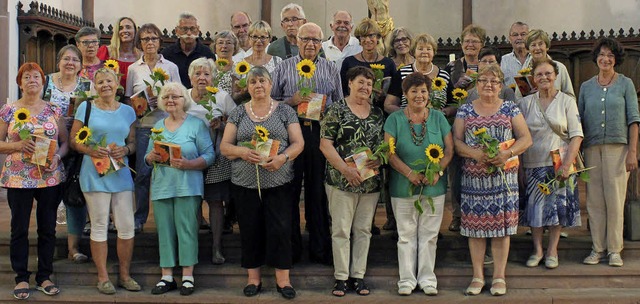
327 79
510 66
396 86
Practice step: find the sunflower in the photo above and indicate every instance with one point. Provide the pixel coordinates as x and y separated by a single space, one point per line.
112 64
376 66
525 71
212 90
157 131
263 133
83 135
221 62
139 105
306 68
21 115
459 94
160 74
479 131
242 67
439 84
544 188
392 145
434 153
512 86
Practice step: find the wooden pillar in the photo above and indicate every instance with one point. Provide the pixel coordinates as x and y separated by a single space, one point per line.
265 11
4 52
467 13
633 186
87 10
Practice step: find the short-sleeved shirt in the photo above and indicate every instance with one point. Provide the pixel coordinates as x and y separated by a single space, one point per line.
17 172
175 54
349 133
397 126
562 113
89 70
395 88
334 54
194 141
62 99
115 126
139 72
244 173
351 61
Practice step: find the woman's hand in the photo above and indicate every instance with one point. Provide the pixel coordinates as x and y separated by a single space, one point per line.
251 156
215 123
274 163
153 157
55 161
118 152
180 163
417 179
26 145
564 171
631 162
352 176
435 180
98 152
372 164
500 159
480 156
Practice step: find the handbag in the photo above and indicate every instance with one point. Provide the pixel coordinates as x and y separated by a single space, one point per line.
72 195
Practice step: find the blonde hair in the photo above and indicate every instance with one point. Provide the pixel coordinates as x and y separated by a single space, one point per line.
114 45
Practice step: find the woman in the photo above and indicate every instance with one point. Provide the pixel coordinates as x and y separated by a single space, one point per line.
26 181
63 87
538 43
368 33
224 46
424 48
147 39
552 117
88 40
218 175
264 212
490 55
612 155
398 45
348 125
112 192
417 233
489 200
122 47
176 190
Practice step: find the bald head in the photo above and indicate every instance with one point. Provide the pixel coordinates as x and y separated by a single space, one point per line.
309 40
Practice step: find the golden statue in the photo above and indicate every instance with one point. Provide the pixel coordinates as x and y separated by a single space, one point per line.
379 10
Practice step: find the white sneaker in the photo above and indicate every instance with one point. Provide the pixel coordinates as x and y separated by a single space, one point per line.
405 291
593 258
615 260
430 291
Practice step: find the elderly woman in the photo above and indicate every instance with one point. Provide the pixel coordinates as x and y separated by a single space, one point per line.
489 196
218 176
417 232
398 44
88 40
61 88
490 55
177 190
261 185
538 43
552 117
122 47
610 147
112 192
26 181
224 46
348 125
147 39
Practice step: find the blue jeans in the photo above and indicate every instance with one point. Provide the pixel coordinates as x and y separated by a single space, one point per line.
76 219
142 181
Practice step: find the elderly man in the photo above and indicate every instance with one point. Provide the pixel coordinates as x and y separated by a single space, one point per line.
291 18
188 48
240 22
341 45
514 61
311 163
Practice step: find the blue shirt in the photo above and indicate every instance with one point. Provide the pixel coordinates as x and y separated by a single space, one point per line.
193 138
115 125
607 112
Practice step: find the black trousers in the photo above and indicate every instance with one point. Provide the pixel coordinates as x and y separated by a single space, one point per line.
265 226
310 166
21 203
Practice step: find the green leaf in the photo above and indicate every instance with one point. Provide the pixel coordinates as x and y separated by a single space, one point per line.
431 204
24 134
418 206
246 144
584 176
359 150
419 162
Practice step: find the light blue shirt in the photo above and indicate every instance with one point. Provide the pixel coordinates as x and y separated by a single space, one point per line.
193 138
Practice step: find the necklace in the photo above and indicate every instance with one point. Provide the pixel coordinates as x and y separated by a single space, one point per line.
608 83
415 67
61 85
261 118
365 59
417 139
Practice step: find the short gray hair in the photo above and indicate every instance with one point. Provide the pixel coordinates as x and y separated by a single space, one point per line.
258 71
201 62
225 34
187 15
86 31
291 6
173 86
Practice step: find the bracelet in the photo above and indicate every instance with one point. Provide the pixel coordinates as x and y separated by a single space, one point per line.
511 152
410 171
58 155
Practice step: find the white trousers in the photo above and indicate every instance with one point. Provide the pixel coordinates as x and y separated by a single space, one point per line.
120 203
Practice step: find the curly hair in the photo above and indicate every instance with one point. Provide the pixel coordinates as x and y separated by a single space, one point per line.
616 48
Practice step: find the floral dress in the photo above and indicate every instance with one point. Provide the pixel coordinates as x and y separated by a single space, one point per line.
489 202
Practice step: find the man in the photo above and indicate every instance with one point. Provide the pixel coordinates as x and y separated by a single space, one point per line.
188 48
240 22
341 45
514 61
291 18
311 163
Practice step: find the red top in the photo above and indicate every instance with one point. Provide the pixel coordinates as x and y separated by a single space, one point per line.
103 54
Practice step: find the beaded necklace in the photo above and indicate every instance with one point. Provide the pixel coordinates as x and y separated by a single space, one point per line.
261 118
417 139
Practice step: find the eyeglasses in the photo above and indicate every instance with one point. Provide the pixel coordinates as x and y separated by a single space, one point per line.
171 97
488 61
292 20
224 42
188 28
523 34
370 36
493 82
610 56
240 26
401 40
471 41
540 75
261 38
148 39
68 59
90 42
309 39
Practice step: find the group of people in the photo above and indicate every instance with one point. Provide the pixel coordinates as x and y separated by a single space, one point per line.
465 127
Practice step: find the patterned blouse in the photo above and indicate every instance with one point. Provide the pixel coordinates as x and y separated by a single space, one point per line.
62 99
348 133
16 172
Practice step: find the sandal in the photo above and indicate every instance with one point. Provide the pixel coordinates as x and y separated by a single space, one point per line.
22 293
50 290
360 287
339 288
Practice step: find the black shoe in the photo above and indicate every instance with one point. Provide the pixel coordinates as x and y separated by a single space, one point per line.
287 292
168 286
184 290
252 289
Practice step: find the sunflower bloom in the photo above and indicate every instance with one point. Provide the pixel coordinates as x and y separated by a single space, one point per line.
479 131
459 94
512 86
525 71
83 135
242 68
434 153
112 64
392 145
377 66
21 115
306 68
544 188
161 74
439 84
212 90
221 62
263 133
157 131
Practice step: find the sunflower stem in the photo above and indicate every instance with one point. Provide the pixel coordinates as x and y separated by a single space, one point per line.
258 180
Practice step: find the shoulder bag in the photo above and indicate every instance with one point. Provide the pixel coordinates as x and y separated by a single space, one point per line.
71 193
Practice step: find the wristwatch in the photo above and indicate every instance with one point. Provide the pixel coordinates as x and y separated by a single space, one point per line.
286 157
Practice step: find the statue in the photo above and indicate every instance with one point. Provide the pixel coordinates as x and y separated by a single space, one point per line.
379 10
